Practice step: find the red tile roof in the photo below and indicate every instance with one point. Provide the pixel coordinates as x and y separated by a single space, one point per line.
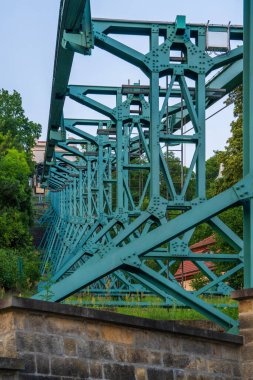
188 269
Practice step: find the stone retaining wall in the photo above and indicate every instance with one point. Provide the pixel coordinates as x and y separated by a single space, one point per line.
53 341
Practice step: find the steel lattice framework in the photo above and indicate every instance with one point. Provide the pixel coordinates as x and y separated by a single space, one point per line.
98 230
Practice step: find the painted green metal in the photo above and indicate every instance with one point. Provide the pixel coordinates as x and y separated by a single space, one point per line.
101 237
248 138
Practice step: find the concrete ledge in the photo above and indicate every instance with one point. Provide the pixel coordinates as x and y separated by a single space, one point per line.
242 294
11 364
119 319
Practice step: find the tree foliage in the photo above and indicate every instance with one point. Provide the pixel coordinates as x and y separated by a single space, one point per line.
13 121
17 137
231 159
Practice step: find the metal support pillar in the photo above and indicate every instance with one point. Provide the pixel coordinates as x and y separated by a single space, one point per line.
248 138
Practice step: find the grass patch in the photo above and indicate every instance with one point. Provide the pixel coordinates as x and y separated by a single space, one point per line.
136 306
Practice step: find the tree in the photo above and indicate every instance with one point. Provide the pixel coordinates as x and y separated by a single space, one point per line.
232 156
17 137
13 121
232 160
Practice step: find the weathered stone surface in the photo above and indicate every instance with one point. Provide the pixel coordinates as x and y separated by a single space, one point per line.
71 367
117 334
246 321
176 361
10 345
95 350
140 374
120 353
180 374
36 322
81 347
20 320
247 352
246 306
154 357
115 371
137 356
37 377
42 363
50 344
196 347
29 362
247 369
70 347
67 326
220 367
6 321
11 364
95 369
25 341
92 330
6 375
160 374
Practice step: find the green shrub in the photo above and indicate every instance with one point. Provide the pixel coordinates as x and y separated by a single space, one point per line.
18 270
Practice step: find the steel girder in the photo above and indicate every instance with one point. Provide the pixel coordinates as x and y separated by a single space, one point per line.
99 233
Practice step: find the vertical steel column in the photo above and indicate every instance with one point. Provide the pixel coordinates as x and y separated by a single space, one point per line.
81 193
154 116
100 181
119 165
248 137
201 112
88 189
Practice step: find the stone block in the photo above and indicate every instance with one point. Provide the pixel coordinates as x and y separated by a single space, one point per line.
6 321
220 367
160 374
64 326
36 322
6 375
10 345
92 330
196 347
71 367
140 374
198 363
101 350
247 334
70 347
83 349
245 306
50 344
120 353
246 321
230 352
154 357
42 363
236 370
2 353
119 372
20 320
95 370
37 377
203 376
152 340
95 350
176 361
247 352
135 355
180 374
117 334
25 341
29 362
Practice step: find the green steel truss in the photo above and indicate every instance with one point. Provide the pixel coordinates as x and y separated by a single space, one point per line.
100 234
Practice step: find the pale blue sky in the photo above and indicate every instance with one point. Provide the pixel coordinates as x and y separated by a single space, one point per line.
28 33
